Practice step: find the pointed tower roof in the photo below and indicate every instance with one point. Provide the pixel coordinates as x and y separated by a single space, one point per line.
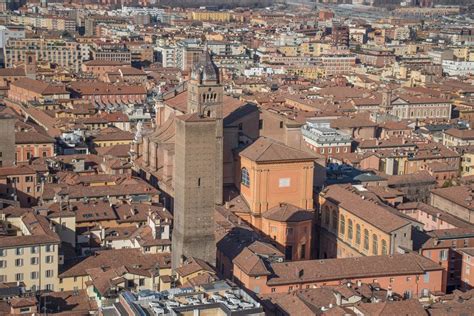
205 69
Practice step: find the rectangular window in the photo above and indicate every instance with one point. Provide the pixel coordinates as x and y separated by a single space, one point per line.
34 260
50 287
34 249
284 182
3 264
19 277
426 277
34 275
49 259
49 248
443 254
49 273
19 262
3 252
19 251
303 251
3 278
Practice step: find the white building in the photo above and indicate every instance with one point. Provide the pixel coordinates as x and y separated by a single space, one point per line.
168 56
458 68
7 32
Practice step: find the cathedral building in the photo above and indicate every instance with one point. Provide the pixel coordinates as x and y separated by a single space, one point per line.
190 156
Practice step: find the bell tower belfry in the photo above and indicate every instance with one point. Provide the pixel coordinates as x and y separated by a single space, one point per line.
205 92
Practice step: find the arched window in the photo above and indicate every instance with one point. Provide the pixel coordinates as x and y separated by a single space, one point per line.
334 220
349 229
342 225
375 244
358 234
366 239
245 177
384 247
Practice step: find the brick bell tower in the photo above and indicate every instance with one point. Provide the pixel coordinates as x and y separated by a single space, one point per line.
198 176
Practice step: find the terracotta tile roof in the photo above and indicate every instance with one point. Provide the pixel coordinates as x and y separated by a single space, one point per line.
32 137
359 120
366 210
131 187
462 195
438 166
39 232
18 302
104 63
129 258
395 125
291 304
12 72
267 150
44 120
119 151
193 265
106 279
411 178
88 211
101 88
443 234
251 263
433 211
288 213
138 212
464 134
116 117
131 71
410 307
70 302
349 268
18 170
201 279
39 87
113 134
443 238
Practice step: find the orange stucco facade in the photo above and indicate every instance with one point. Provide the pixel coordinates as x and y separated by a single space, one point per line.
409 284
270 185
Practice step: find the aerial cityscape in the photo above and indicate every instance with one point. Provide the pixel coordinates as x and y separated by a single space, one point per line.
237 157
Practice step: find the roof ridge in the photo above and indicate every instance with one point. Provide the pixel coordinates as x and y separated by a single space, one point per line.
268 146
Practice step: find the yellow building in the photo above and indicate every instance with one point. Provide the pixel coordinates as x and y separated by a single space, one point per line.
142 271
353 226
290 50
193 268
307 72
30 254
113 136
215 16
467 162
313 49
